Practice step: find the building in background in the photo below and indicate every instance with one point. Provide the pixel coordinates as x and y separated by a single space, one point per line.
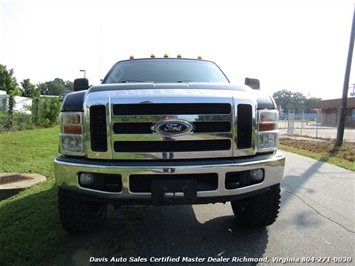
22 104
330 112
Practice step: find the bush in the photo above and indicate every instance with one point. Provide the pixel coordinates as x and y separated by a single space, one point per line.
22 121
48 111
3 120
46 115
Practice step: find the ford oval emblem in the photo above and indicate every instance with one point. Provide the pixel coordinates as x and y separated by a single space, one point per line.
172 127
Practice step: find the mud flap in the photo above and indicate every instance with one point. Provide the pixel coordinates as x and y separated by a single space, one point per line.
173 191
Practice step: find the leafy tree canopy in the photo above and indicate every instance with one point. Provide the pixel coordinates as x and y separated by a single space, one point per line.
8 83
27 88
55 87
294 100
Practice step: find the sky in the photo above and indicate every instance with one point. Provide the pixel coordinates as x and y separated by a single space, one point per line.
300 46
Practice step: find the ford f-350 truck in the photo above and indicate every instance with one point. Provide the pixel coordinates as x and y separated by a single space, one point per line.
167 131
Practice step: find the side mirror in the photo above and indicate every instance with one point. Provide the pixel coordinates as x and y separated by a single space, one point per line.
81 84
252 83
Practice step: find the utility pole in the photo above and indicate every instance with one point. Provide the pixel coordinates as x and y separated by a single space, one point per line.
341 124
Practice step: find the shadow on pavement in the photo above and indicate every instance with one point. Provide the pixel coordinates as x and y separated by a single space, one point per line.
164 232
175 231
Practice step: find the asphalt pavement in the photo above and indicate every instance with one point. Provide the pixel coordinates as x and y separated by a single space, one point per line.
316 222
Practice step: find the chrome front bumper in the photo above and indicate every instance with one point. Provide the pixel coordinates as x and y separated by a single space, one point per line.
68 169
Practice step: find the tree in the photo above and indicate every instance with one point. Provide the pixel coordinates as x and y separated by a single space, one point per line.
30 90
55 87
8 83
35 105
48 111
289 100
27 88
284 99
299 101
310 104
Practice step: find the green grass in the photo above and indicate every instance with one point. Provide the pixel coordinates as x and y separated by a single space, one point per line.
323 150
30 228
31 151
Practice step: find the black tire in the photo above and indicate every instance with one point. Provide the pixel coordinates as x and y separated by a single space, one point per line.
79 216
260 210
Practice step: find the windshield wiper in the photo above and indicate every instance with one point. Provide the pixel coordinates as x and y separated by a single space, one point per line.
183 81
130 80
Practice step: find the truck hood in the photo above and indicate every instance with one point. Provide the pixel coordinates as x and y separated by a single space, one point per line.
143 91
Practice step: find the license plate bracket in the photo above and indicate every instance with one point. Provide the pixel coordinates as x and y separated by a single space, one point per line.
169 191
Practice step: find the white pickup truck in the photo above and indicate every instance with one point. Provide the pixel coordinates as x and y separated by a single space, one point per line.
166 131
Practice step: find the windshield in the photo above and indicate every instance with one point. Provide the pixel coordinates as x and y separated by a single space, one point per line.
165 70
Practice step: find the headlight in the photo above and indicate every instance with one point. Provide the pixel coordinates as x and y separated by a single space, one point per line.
71 137
71 123
268 133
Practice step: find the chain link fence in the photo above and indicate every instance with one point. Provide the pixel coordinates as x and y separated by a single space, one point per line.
308 125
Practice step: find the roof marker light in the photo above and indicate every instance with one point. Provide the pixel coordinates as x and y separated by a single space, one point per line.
166 56
152 56
179 56
131 57
199 57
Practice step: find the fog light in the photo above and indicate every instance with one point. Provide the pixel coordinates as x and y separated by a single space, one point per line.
257 175
86 179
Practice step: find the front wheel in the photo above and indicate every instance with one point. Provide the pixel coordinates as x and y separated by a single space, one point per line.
79 216
260 210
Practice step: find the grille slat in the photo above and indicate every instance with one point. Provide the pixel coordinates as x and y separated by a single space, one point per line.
132 128
212 127
172 109
98 128
172 146
244 126
145 127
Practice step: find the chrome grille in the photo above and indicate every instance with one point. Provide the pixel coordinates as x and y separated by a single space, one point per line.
126 130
